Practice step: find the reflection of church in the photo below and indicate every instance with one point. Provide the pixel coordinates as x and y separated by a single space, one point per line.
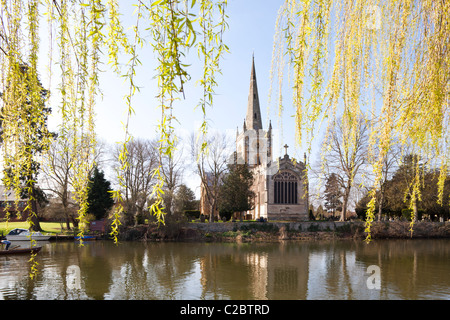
281 186
267 271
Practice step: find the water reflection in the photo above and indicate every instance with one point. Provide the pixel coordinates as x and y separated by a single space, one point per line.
302 270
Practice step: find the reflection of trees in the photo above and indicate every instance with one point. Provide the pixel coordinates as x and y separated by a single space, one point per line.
335 272
167 266
161 271
332 271
96 263
50 283
333 275
225 272
346 276
255 271
18 285
411 267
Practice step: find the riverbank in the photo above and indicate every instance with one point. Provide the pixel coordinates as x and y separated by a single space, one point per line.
276 231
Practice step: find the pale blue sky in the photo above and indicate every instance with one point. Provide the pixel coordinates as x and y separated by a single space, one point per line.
251 31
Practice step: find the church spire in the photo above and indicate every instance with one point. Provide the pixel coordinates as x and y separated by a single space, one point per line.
253 118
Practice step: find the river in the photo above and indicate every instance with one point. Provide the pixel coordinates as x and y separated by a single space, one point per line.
328 270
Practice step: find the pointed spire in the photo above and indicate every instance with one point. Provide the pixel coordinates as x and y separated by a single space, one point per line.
253 72
253 119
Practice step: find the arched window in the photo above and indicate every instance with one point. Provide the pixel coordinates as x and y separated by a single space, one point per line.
285 188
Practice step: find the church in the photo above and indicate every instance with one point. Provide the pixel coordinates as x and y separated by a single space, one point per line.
280 186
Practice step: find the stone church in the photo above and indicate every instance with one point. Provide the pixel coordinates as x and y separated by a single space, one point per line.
280 186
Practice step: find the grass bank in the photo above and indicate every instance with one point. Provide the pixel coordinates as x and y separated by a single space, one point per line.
47 227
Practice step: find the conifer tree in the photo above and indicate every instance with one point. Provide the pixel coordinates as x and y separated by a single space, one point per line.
235 192
185 199
333 194
99 197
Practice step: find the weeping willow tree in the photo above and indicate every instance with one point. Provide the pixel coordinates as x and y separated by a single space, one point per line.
23 113
386 60
83 34
21 168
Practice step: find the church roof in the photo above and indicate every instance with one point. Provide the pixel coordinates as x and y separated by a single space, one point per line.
6 194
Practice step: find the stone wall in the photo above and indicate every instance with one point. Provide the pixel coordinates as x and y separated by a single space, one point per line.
300 226
307 230
290 212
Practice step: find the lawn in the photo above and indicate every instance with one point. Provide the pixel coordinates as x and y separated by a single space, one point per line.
50 227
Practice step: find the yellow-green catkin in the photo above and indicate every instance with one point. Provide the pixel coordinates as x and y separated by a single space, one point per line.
384 60
80 34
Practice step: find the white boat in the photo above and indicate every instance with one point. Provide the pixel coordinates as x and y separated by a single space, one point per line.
24 234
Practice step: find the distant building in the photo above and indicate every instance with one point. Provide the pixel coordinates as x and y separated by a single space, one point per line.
8 204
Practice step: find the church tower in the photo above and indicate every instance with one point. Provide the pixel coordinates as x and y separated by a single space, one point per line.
280 187
253 144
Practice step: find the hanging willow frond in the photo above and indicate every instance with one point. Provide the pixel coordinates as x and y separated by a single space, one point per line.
80 32
384 59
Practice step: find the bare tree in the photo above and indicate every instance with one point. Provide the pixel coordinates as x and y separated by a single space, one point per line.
172 170
346 155
142 159
59 174
210 165
390 161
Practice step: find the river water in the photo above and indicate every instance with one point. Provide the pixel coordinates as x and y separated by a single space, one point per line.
383 269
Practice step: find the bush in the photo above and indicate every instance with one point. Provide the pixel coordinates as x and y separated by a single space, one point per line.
142 218
361 213
225 216
407 214
230 234
192 214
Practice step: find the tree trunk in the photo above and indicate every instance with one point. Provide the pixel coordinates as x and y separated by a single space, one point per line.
34 216
345 204
380 205
36 226
74 222
211 213
344 210
67 223
66 215
65 204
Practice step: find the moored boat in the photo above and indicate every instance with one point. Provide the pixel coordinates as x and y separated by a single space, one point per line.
24 234
20 250
85 237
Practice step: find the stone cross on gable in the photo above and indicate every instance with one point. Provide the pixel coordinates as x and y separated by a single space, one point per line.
285 147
